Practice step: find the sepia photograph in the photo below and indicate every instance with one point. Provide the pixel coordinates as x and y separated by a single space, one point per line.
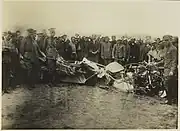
96 64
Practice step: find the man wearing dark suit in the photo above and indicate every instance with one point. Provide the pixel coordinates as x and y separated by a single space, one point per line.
113 42
80 49
106 51
51 54
93 50
29 51
134 51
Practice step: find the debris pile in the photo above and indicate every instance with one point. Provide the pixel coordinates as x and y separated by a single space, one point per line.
142 78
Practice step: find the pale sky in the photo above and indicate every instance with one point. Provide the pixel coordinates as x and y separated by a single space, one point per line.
109 18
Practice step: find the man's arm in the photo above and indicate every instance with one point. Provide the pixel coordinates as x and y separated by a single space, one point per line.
113 51
102 51
174 59
124 51
45 44
22 46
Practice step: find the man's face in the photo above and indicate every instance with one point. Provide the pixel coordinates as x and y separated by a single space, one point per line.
35 34
166 41
39 36
106 39
18 33
125 42
5 35
64 37
73 39
158 40
52 33
113 38
44 32
29 33
9 36
93 37
153 47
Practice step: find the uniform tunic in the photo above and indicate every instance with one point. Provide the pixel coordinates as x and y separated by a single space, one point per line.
119 51
29 49
170 59
106 50
51 51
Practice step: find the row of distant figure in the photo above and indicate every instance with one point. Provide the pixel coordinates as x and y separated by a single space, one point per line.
97 48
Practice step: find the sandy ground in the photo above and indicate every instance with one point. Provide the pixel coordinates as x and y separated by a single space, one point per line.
73 106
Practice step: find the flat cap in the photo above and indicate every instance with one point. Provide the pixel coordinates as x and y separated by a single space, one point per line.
39 33
51 29
30 30
9 32
5 33
18 31
35 31
167 37
64 35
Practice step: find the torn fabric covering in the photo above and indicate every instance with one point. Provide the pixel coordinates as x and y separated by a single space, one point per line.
64 67
82 71
91 64
114 67
77 72
79 79
123 86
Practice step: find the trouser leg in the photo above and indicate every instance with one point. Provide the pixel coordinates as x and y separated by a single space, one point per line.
5 76
105 62
51 70
169 88
34 75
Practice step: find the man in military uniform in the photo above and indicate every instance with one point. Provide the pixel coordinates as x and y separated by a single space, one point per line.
106 51
73 48
41 41
30 61
19 39
42 38
170 67
51 54
15 65
118 53
80 49
6 61
127 50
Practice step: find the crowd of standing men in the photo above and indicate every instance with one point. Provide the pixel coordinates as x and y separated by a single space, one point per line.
24 53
